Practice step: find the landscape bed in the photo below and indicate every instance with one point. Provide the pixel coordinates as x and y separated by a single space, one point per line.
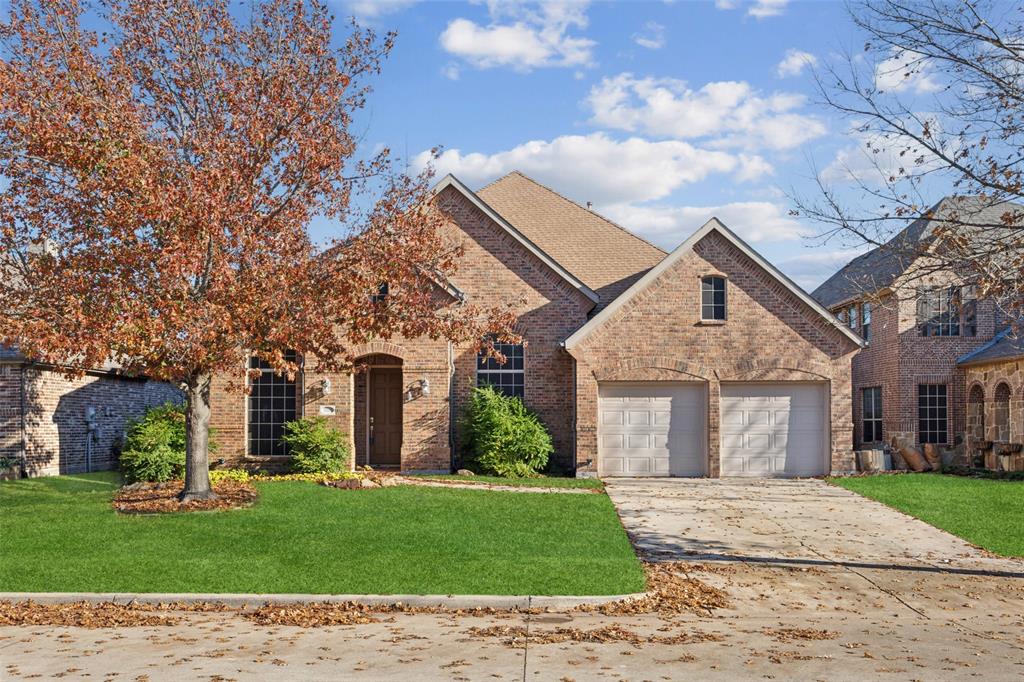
60 534
986 513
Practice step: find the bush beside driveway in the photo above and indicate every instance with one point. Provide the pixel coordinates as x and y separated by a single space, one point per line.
60 534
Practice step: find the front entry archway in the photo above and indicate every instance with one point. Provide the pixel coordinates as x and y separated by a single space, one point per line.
379 387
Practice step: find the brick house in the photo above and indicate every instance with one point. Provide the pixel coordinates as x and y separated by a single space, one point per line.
704 361
994 377
53 425
907 384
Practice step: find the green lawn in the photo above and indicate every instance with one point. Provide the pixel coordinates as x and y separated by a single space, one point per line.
987 513
60 534
541 482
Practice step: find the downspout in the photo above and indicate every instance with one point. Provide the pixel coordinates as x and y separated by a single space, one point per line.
24 427
451 408
575 454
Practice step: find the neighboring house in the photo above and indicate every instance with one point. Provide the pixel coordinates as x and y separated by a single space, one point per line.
54 425
906 383
703 362
994 376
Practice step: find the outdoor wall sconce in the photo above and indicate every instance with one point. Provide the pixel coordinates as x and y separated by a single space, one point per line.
325 386
419 388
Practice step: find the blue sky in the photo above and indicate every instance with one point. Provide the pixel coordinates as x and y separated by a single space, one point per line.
660 113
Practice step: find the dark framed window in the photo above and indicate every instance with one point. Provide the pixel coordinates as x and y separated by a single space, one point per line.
871 415
382 293
947 311
712 298
865 321
932 414
508 377
273 401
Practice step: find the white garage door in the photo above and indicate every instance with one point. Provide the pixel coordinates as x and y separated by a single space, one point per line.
774 430
651 429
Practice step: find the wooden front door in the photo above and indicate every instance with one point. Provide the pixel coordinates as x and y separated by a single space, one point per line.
385 416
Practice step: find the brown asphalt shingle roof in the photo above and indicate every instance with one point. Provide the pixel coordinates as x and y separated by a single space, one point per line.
606 257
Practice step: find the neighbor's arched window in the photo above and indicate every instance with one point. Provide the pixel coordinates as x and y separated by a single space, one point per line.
1001 412
712 298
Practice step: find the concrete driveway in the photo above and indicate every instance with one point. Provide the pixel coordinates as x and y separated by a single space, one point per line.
821 585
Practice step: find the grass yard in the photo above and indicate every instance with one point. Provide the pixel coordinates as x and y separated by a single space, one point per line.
60 534
987 513
540 482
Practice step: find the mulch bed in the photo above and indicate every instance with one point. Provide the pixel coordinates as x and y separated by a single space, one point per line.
162 498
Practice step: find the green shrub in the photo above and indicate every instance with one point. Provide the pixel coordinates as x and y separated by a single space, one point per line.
500 437
316 447
154 446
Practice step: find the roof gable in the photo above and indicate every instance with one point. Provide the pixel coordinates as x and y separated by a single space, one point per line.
713 225
607 257
453 182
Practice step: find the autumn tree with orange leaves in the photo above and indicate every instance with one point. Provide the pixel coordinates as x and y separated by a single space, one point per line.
161 162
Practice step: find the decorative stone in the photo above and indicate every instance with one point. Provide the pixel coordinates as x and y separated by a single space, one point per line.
465 472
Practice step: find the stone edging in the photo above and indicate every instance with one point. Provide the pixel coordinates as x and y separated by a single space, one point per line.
441 483
244 601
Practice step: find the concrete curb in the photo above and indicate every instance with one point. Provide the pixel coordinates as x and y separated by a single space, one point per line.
243 601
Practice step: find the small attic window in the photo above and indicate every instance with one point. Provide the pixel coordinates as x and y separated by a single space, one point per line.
712 298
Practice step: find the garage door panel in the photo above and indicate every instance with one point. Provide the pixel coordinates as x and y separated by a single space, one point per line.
652 429
773 430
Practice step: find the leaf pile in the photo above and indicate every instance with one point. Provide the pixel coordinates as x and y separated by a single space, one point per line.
81 615
160 498
668 591
787 635
515 635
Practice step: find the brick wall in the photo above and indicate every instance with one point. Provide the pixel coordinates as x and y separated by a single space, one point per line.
770 335
57 435
899 359
10 411
494 269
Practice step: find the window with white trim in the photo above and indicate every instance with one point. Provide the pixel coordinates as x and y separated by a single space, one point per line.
851 316
865 321
509 378
712 298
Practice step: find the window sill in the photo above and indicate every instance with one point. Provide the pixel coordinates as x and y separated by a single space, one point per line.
711 323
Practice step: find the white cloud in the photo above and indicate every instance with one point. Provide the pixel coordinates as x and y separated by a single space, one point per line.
450 71
759 9
731 111
794 63
371 9
874 158
522 37
652 37
906 71
668 226
762 9
598 168
814 266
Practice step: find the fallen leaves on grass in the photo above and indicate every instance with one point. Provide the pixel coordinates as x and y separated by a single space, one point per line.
669 590
81 615
799 634
514 635
161 498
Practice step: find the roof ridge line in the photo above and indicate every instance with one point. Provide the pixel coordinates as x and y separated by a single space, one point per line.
582 208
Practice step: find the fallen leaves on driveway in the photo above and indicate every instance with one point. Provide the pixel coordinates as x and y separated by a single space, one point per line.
514 635
669 590
799 634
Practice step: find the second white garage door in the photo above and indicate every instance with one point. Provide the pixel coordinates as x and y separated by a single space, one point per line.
651 429
774 430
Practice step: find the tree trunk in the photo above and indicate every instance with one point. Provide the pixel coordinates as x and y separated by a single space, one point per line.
197 440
